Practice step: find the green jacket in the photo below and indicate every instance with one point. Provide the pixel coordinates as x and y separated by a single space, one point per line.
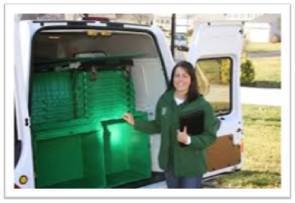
191 159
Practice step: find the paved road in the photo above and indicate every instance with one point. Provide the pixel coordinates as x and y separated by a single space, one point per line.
264 54
182 55
261 96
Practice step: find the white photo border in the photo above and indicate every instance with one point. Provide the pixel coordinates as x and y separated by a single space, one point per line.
286 157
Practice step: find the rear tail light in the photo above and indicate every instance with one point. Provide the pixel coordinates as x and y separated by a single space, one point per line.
23 179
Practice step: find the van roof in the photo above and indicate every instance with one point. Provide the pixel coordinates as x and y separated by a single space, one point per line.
85 22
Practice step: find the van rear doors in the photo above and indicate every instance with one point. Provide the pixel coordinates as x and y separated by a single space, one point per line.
215 52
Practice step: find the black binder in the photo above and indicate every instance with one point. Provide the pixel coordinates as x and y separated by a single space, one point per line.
194 123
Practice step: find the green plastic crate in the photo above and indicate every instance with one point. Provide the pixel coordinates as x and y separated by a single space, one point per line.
70 161
127 154
58 160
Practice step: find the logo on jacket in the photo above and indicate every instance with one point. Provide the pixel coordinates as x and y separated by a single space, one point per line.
164 111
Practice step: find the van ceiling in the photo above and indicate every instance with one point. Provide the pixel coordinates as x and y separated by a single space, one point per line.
65 44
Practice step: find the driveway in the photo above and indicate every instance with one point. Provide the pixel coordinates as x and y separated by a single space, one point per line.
264 54
261 96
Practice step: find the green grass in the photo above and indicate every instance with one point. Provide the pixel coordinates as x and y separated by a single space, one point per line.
262 47
267 72
267 69
261 167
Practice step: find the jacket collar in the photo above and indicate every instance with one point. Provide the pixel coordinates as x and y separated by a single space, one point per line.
169 97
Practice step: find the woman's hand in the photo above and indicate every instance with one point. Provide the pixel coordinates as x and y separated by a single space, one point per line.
183 137
128 117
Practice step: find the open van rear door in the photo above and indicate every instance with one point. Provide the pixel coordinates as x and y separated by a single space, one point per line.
215 53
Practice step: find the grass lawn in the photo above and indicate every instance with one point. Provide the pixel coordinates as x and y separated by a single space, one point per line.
262 47
262 141
267 71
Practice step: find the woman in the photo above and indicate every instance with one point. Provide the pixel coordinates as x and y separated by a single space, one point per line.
183 166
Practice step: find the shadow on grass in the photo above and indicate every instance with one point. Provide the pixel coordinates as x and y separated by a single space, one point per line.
246 179
267 122
263 119
263 84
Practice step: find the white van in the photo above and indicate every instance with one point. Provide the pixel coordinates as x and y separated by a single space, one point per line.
75 79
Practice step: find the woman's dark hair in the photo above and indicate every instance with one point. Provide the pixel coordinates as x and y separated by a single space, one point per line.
193 92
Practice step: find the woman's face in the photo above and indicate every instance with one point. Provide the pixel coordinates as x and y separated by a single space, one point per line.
181 80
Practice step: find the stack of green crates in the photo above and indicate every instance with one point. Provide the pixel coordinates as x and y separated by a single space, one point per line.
110 95
76 143
52 97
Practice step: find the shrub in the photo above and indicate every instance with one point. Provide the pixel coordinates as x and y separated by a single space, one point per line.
247 72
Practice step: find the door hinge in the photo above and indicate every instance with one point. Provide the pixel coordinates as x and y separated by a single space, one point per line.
27 122
239 130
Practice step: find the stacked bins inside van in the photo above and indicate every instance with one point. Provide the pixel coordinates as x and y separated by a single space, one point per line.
79 138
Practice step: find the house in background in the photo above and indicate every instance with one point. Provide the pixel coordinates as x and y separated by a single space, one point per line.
163 21
274 26
257 32
257 27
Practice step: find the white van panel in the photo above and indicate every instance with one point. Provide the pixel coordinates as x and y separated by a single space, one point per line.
216 39
27 30
22 64
164 49
148 91
149 83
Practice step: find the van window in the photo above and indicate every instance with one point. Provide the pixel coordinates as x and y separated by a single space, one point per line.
214 77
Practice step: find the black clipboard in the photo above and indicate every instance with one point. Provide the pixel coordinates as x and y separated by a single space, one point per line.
194 123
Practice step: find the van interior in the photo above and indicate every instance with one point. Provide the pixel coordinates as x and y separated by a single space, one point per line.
81 83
